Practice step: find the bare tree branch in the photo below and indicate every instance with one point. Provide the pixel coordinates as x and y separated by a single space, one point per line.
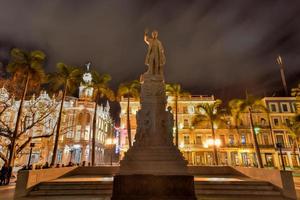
3 157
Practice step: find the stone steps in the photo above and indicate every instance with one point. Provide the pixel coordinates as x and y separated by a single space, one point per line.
247 189
64 192
236 187
205 190
239 197
73 188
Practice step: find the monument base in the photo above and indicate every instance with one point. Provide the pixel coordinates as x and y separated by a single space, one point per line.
156 160
158 187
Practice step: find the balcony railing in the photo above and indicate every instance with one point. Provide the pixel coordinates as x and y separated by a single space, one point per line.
248 145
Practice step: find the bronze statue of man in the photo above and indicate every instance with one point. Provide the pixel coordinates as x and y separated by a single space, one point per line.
155 58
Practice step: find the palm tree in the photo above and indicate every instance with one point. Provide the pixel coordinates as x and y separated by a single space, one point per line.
129 89
233 111
176 91
101 89
67 77
250 105
28 66
210 112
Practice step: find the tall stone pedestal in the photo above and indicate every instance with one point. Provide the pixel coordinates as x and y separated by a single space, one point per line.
153 168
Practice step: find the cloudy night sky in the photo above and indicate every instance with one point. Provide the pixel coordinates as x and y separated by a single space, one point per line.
212 47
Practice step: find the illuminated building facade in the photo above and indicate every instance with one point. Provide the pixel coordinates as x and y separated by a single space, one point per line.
75 141
235 143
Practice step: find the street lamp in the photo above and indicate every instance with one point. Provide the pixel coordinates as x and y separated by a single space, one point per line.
215 143
110 142
30 153
212 142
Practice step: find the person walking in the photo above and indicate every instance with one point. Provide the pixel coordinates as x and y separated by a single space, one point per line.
4 174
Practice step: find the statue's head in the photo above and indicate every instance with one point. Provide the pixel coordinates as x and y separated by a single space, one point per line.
155 34
169 108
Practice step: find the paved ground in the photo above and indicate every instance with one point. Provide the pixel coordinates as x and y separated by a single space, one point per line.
7 192
297 185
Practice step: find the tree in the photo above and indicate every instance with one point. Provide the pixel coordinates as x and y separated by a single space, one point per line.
130 90
67 77
37 113
212 114
29 67
101 89
251 105
176 91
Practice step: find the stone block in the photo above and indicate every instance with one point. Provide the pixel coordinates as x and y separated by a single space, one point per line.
158 187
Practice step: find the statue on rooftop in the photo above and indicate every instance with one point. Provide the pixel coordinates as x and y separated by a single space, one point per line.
155 58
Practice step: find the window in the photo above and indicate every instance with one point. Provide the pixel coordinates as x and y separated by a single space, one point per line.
186 123
288 121
291 140
198 139
279 139
294 107
186 139
231 139
273 107
7 117
86 134
191 109
69 134
78 132
285 107
243 139
266 139
276 121
263 121
185 110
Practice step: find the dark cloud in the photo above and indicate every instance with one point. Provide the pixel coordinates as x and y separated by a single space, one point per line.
212 47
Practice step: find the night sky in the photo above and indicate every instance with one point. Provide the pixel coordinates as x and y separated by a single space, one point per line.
212 47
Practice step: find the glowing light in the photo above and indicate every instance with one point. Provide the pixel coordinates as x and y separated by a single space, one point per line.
256 130
210 142
111 141
181 145
215 126
181 126
217 142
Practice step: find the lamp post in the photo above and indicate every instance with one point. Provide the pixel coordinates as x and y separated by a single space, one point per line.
29 159
213 142
110 142
279 146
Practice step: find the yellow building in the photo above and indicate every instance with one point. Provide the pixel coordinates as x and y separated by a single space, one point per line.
235 143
